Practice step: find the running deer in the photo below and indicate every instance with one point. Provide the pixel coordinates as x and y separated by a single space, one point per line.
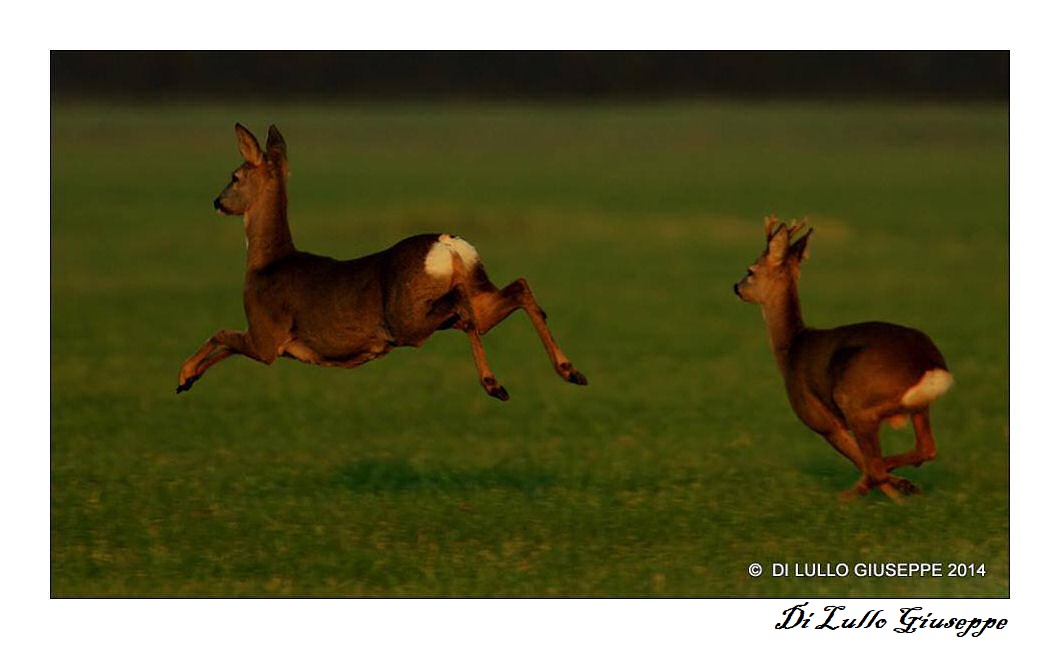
344 313
844 382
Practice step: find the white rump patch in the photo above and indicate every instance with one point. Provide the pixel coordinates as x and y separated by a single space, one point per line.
439 259
463 249
931 386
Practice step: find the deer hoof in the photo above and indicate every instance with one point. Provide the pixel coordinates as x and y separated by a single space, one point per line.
891 492
186 385
577 378
850 495
903 486
860 488
567 371
494 389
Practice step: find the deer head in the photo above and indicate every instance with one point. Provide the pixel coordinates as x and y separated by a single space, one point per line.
777 268
260 170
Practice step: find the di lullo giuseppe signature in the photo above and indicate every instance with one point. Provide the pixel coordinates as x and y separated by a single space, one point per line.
911 620
909 569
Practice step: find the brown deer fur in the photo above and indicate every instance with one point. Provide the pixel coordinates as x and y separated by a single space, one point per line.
344 313
844 382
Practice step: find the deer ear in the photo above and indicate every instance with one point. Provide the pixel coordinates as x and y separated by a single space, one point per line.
275 142
777 247
799 248
248 145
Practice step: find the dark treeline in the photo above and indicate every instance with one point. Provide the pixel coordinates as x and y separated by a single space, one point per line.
549 75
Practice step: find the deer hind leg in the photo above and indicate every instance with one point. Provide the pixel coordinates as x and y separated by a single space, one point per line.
491 306
218 347
923 451
454 309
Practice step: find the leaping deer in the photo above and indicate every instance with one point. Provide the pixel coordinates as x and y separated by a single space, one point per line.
344 313
844 382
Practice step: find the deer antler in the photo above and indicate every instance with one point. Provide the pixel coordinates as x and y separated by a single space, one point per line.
796 225
771 226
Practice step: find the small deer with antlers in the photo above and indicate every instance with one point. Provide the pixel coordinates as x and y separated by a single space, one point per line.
344 313
844 382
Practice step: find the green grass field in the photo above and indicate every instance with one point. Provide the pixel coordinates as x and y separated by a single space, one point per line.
679 465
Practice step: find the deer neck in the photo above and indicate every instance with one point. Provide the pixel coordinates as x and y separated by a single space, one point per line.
265 224
784 323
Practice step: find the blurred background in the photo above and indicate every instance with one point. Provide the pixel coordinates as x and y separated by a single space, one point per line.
937 75
629 189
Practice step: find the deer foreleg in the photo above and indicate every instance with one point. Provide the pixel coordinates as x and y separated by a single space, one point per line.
842 441
218 347
875 472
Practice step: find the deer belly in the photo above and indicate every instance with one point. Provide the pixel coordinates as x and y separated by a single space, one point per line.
340 357
338 344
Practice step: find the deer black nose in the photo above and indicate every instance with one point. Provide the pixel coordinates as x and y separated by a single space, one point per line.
736 289
217 203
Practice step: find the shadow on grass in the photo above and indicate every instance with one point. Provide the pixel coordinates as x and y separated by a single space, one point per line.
840 476
400 476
